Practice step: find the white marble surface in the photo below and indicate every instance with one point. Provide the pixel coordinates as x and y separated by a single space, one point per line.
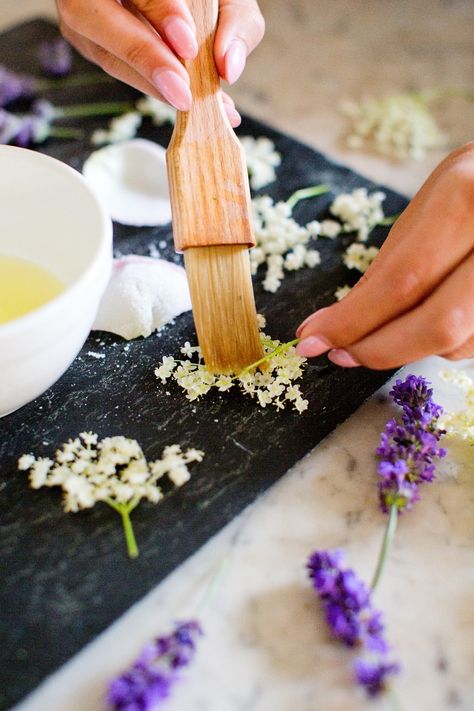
266 645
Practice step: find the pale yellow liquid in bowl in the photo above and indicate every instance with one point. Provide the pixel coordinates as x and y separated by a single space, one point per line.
24 287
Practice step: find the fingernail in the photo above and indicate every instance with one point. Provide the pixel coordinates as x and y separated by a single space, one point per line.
312 346
234 116
181 37
173 88
235 59
341 357
310 318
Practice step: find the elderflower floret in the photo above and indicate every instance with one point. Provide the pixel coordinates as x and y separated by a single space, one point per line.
262 159
358 256
282 244
159 112
399 127
273 387
359 211
461 422
113 470
342 291
121 128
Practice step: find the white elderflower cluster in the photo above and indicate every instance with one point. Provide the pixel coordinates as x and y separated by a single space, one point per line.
342 291
399 127
262 159
359 211
121 128
274 386
159 112
282 244
358 256
113 470
461 422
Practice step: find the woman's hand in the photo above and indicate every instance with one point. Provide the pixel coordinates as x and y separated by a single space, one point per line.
417 297
140 42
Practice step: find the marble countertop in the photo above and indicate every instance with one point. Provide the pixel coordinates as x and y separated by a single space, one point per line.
266 645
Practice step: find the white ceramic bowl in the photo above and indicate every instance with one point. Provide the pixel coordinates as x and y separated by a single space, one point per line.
50 216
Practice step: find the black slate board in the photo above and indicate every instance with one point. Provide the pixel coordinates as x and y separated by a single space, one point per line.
65 578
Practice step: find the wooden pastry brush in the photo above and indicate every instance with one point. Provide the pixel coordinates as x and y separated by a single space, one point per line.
210 202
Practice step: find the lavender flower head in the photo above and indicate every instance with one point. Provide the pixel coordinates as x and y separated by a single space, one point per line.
15 86
23 130
149 680
347 602
55 57
408 451
373 675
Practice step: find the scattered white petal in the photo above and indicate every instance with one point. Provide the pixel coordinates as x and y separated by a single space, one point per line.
160 112
358 256
131 180
342 291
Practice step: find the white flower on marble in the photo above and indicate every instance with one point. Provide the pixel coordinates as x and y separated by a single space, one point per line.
398 127
460 423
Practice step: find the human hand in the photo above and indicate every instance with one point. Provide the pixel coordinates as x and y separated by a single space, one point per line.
417 297
140 42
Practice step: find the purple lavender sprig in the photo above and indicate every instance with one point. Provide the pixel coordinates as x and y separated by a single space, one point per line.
351 615
15 86
374 675
55 57
408 451
346 601
151 677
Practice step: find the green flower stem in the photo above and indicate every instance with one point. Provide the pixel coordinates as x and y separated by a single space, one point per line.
430 95
102 108
387 540
306 193
64 132
125 510
78 80
387 221
268 356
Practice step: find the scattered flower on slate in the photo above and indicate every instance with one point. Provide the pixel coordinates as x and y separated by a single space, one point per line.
351 616
358 256
461 422
149 681
359 211
275 386
262 159
121 128
281 243
408 451
398 127
113 470
55 57
342 291
373 675
23 130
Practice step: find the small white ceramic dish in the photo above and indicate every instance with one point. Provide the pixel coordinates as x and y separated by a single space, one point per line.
50 216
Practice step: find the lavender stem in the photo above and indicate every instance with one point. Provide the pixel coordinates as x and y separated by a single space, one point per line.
95 109
387 540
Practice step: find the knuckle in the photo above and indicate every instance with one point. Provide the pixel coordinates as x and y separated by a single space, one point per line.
407 287
135 54
450 330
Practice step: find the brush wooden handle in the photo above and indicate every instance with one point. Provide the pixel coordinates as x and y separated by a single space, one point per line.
207 172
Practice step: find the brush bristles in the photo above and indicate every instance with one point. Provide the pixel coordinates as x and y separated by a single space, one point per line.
223 306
